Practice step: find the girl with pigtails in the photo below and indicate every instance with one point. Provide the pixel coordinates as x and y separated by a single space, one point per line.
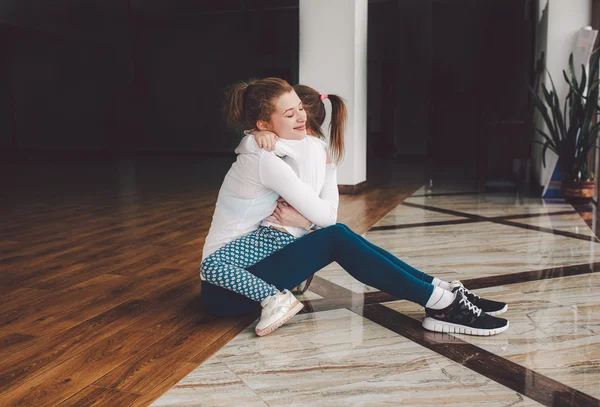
258 246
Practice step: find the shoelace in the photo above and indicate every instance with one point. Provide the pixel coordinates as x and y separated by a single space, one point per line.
467 291
473 308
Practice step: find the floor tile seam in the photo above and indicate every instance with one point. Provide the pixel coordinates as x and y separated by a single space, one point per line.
592 225
456 339
467 220
475 193
241 380
387 212
479 218
347 293
345 299
545 275
557 232
457 342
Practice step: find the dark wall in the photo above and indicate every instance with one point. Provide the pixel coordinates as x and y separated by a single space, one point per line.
448 80
138 75
455 71
399 76
6 102
507 60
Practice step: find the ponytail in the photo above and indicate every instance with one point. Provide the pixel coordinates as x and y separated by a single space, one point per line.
339 114
313 103
234 104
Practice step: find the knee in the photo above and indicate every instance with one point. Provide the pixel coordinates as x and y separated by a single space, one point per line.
207 269
339 230
345 227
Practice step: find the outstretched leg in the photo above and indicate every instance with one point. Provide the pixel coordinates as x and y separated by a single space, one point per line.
446 311
307 255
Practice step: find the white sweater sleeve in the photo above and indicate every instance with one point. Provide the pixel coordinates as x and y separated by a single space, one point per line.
330 191
279 177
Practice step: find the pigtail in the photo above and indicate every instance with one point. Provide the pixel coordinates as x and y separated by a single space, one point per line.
339 114
313 102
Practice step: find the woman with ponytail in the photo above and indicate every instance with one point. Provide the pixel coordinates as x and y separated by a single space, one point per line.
313 103
259 244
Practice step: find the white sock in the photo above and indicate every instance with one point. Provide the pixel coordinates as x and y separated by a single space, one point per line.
440 298
440 283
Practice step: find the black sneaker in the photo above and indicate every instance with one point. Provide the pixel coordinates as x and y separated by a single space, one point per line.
462 317
488 306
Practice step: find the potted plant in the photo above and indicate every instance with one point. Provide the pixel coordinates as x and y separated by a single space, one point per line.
572 128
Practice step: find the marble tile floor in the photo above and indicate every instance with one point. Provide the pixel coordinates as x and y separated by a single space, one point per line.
478 248
355 354
333 358
555 328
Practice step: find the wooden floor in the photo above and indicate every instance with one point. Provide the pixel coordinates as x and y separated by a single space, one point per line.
99 263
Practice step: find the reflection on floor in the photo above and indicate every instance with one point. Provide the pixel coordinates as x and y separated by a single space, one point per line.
357 352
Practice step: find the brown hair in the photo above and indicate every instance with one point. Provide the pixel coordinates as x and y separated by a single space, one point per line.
315 111
247 102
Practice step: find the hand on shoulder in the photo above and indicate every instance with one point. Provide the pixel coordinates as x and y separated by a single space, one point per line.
265 139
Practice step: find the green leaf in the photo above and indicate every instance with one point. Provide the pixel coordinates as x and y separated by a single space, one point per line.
548 140
544 112
544 154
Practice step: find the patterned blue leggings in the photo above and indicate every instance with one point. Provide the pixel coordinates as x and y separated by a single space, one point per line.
227 266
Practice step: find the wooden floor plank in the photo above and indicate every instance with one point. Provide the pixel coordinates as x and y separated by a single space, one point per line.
50 308
15 343
158 361
93 396
44 354
168 317
19 297
69 377
76 254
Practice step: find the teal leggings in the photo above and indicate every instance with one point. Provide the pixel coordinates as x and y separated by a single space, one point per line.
227 266
303 257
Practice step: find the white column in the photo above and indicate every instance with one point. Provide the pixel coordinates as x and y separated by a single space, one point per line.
333 59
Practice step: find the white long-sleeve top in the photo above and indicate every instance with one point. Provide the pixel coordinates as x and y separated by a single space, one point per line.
258 178
307 157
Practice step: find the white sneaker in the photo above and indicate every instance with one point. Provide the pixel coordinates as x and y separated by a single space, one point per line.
277 310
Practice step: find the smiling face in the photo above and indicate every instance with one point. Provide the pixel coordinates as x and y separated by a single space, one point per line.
289 119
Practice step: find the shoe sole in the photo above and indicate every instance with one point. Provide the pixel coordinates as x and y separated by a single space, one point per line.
285 318
501 311
435 325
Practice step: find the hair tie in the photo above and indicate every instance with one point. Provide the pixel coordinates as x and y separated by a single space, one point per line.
324 96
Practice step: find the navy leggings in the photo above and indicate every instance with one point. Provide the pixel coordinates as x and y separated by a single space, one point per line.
302 258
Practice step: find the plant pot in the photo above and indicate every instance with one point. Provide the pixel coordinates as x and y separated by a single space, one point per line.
578 190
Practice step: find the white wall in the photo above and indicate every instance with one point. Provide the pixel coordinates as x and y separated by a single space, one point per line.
565 18
333 59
